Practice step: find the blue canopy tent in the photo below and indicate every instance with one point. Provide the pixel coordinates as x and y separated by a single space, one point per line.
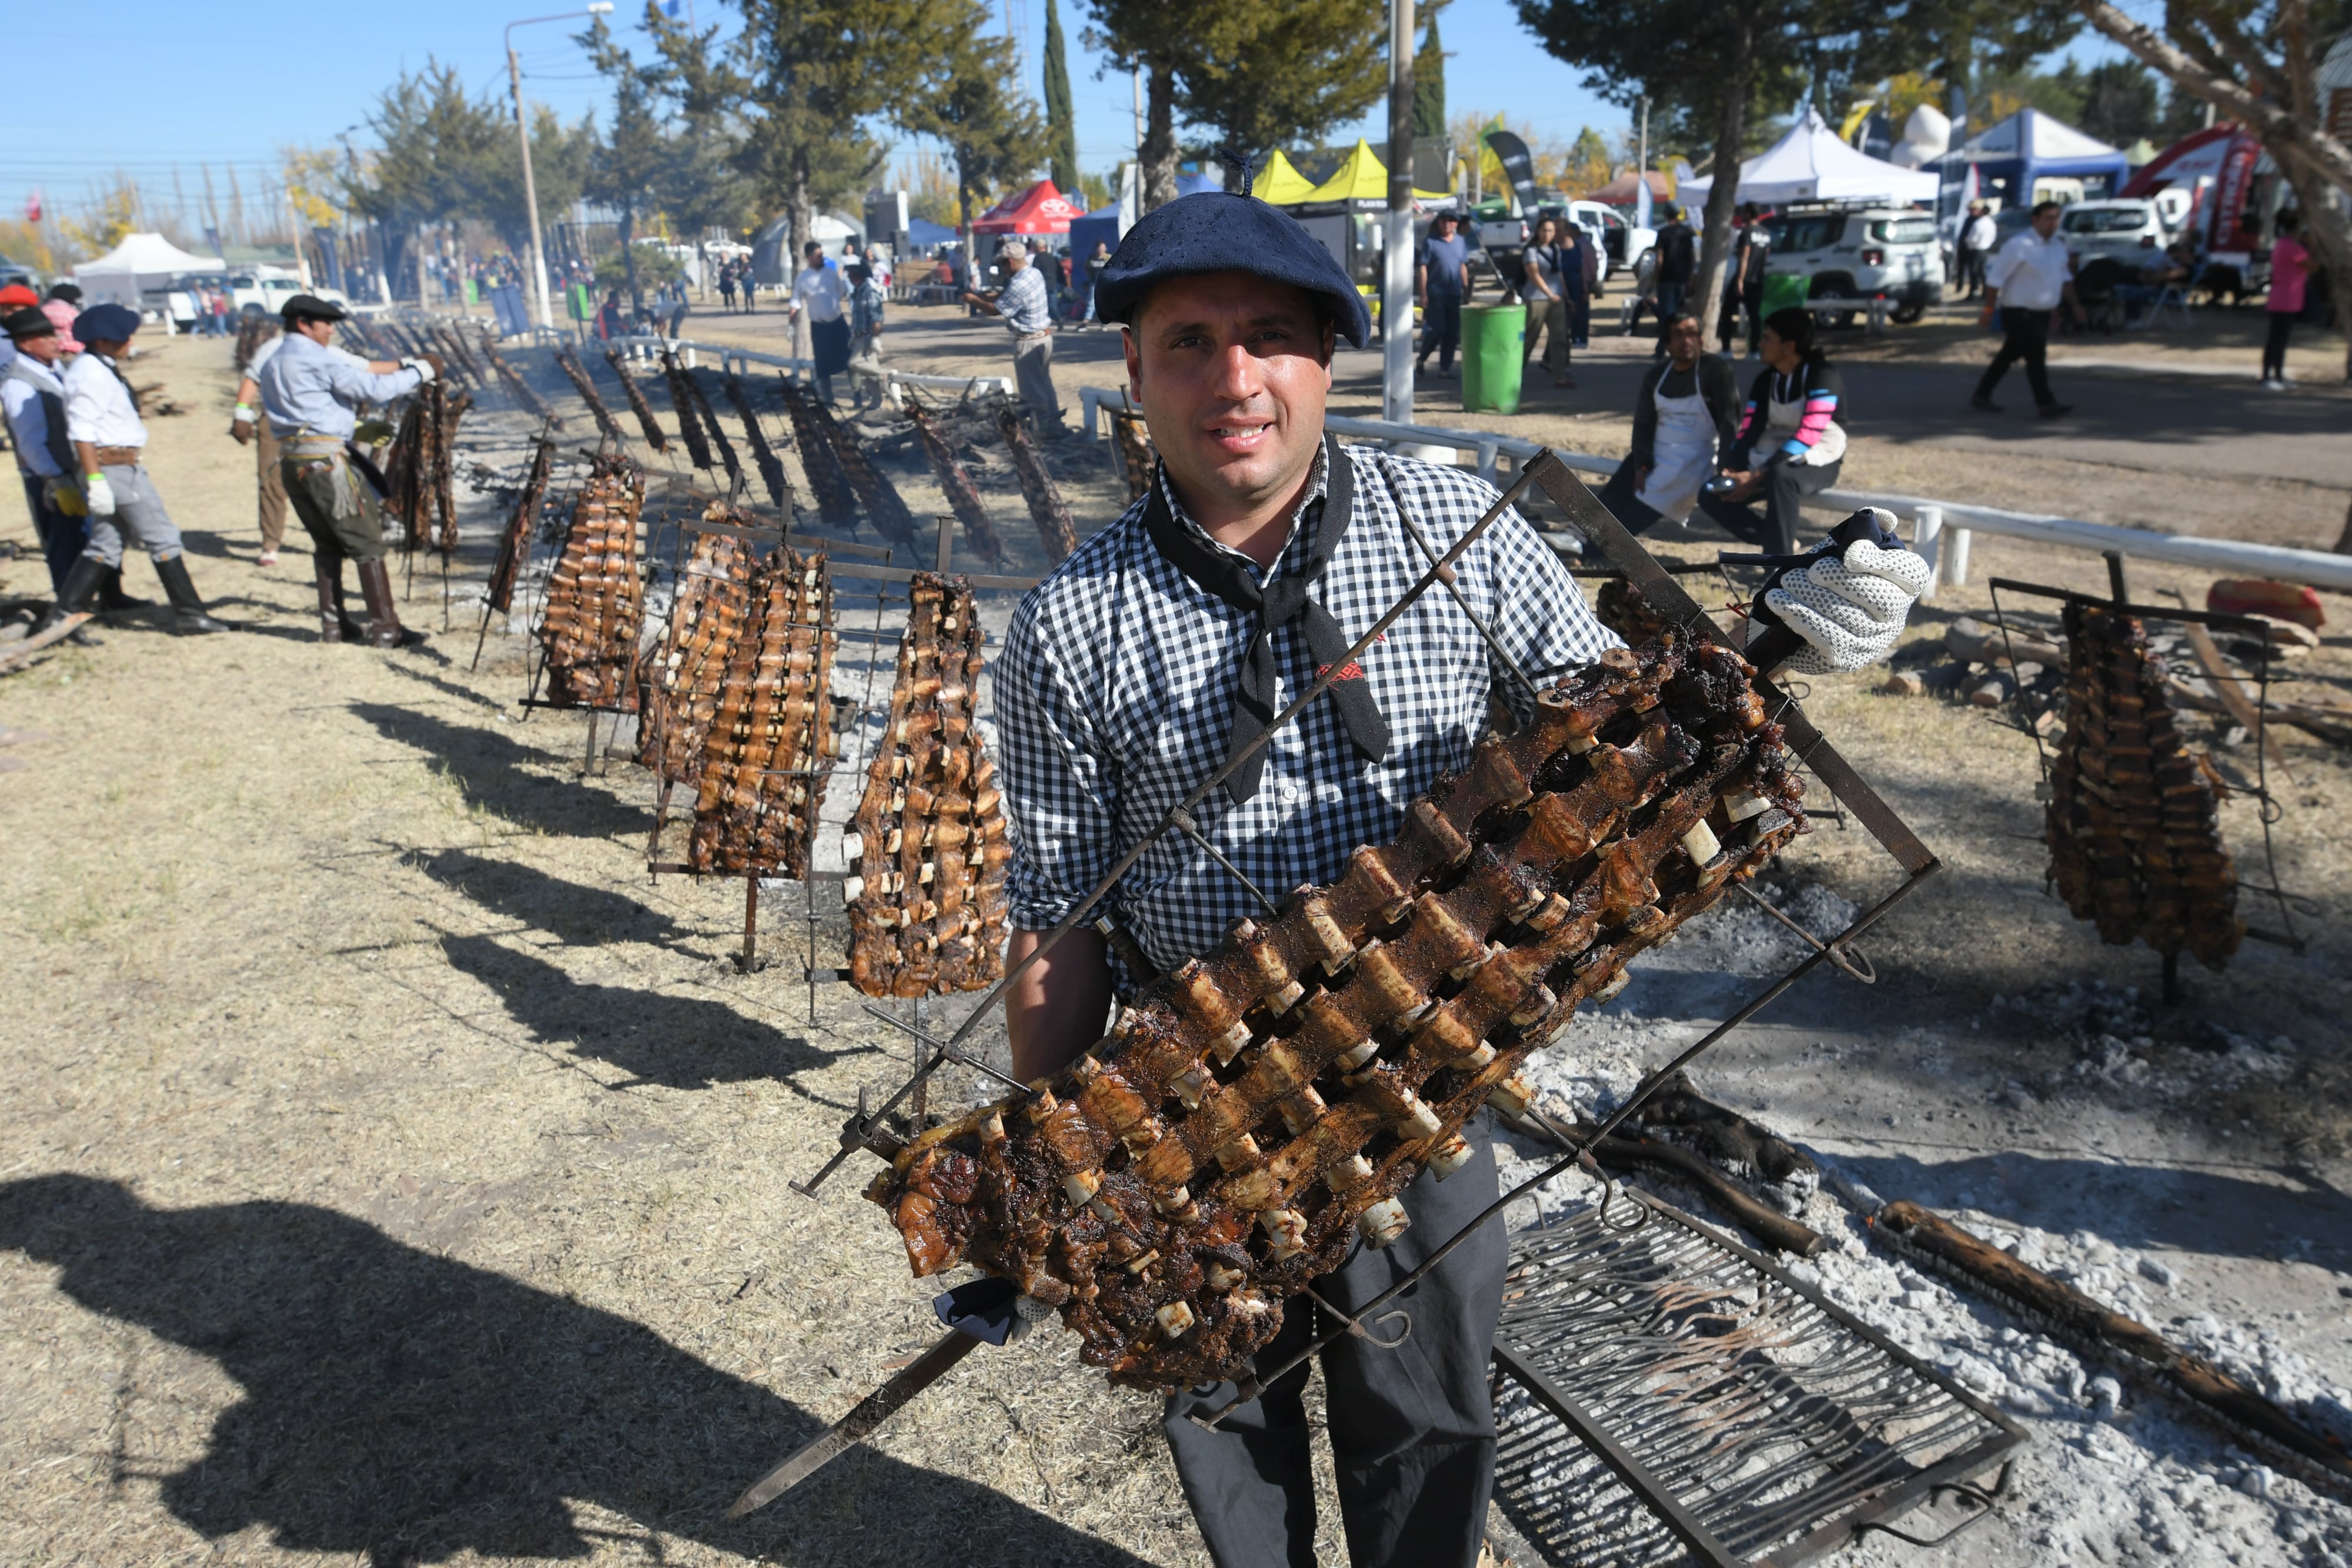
925 234
1103 222
2012 155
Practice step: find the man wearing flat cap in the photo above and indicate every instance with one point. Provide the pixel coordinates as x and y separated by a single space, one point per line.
310 392
33 397
1262 551
109 449
1027 305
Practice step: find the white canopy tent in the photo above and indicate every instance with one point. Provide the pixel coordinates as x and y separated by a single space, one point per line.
1811 164
140 262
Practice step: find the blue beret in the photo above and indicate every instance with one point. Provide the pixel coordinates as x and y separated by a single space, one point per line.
1222 231
106 324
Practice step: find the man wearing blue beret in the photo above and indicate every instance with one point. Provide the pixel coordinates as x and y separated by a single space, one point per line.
1262 551
110 443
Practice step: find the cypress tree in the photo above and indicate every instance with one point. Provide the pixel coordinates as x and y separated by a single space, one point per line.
1429 87
1061 123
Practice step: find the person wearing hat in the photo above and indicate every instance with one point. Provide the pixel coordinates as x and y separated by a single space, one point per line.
1260 552
310 390
110 443
1027 307
248 428
34 400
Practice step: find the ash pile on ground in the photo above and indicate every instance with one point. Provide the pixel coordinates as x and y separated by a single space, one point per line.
2110 1471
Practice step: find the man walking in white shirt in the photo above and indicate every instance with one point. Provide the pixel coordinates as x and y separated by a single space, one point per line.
109 442
820 295
1977 233
2030 279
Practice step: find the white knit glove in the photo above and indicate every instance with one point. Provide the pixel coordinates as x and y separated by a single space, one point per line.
99 494
1850 611
424 369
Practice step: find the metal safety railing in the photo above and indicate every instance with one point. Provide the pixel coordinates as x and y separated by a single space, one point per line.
1940 529
645 345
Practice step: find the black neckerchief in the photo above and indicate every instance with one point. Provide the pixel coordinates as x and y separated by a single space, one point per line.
1279 601
128 390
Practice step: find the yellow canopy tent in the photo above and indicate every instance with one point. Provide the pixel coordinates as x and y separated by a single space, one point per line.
1280 183
1364 178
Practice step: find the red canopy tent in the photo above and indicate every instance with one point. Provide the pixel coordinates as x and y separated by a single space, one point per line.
2216 166
1039 210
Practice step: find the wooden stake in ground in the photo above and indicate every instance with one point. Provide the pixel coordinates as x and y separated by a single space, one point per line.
1047 508
963 496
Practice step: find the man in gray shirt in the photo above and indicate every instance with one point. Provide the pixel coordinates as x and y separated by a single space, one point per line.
309 390
1445 279
1026 303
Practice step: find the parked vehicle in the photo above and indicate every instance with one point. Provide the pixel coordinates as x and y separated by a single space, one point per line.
1500 238
1623 243
15 272
2129 229
1856 252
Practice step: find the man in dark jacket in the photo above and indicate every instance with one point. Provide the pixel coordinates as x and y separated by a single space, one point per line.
1678 249
1682 417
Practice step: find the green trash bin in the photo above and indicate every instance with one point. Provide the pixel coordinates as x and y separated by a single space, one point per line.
1494 350
1783 289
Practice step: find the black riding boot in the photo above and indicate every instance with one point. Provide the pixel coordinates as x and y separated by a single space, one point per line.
384 629
81 586
188 617
111 596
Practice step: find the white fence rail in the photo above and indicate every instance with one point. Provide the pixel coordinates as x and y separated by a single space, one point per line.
645 345
1940 528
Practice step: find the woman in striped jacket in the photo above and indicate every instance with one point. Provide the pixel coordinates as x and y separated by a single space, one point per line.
1789 443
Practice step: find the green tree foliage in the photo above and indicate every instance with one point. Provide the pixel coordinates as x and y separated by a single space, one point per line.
965 101
1061 119
702 190
626 165
813 71
1718 59
1429 85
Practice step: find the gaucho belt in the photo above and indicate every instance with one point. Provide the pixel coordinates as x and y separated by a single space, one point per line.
116 456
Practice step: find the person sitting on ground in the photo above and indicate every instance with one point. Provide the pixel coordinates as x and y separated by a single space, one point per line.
1789 444
1682 417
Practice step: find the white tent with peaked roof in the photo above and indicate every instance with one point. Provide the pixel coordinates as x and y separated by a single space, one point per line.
1811 164
140 262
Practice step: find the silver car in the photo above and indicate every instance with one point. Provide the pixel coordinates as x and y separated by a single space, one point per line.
2131 231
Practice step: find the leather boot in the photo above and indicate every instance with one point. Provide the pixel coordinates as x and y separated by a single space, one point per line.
111 596
81 588
188 617
384 629
329 573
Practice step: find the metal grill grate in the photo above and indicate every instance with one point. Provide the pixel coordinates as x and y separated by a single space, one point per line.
1665 1394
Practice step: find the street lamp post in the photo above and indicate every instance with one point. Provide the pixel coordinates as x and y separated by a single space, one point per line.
523 130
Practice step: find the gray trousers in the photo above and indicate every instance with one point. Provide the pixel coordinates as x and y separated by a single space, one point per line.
137 507
1412 1428
1033 370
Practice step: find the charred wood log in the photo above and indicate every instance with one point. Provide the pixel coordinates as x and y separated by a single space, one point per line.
927 895
1261 1107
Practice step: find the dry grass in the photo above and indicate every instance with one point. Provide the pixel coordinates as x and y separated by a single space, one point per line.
392 1173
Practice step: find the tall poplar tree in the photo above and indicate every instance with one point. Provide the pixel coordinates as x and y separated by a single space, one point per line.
1061 120
1429 85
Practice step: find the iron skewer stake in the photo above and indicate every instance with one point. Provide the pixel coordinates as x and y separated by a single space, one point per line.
1167 823
864 1417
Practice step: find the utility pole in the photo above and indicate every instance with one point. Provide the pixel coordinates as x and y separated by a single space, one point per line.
522 132
1396 273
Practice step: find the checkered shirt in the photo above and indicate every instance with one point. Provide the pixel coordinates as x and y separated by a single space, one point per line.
1114 699
1024 303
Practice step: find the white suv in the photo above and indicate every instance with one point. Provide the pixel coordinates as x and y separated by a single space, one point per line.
2131 231
1855 253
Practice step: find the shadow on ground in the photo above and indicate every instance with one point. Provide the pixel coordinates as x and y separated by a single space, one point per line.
679 1043
505 777
573 914
408 1409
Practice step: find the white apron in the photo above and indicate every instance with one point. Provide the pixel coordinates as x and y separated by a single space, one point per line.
1681 456
1782 419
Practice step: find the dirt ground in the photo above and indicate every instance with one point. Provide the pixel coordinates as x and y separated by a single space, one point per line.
394 1172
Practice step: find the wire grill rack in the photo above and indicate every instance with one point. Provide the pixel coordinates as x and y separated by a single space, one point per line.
1663 1396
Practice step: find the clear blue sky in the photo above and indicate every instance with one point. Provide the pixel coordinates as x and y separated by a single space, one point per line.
181 95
